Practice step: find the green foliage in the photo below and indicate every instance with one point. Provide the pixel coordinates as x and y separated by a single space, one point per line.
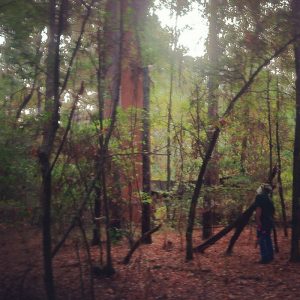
21 24
246 39
20 18
155 42
116 234
145 198
18 168
161 213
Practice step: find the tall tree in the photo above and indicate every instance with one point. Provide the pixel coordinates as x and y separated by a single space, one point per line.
212 173
141 100
268 98
278 152
110 68
146 158
170 102
58 11
56 15
177 9
295 248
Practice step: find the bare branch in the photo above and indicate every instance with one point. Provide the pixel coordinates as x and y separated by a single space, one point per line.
77 46
68 127
127 258
257 71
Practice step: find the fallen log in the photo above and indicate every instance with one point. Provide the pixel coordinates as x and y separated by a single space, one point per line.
238 223
239 226
138 243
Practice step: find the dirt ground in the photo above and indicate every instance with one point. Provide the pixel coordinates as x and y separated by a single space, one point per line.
155 271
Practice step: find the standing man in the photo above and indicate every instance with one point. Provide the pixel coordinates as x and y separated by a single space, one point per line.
265 222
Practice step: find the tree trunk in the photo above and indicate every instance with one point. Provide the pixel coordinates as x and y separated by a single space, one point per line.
109 61
170 106
109 269
97 215
212 172
269 127
243 153
245 139
271 148
240 225
50 128
295 250
241 221
46 223
278 149
196 193
146 205
169 133
96 239
139 242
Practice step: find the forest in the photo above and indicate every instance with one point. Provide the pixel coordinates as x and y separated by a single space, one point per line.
132 168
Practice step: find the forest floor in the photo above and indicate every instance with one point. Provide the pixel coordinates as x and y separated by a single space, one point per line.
155 271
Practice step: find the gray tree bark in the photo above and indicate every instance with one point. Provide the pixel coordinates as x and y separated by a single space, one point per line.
146 205
212 173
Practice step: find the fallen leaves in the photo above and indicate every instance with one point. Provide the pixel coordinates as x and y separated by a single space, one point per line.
153 273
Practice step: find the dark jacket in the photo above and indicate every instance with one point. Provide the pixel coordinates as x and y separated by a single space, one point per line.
267 216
